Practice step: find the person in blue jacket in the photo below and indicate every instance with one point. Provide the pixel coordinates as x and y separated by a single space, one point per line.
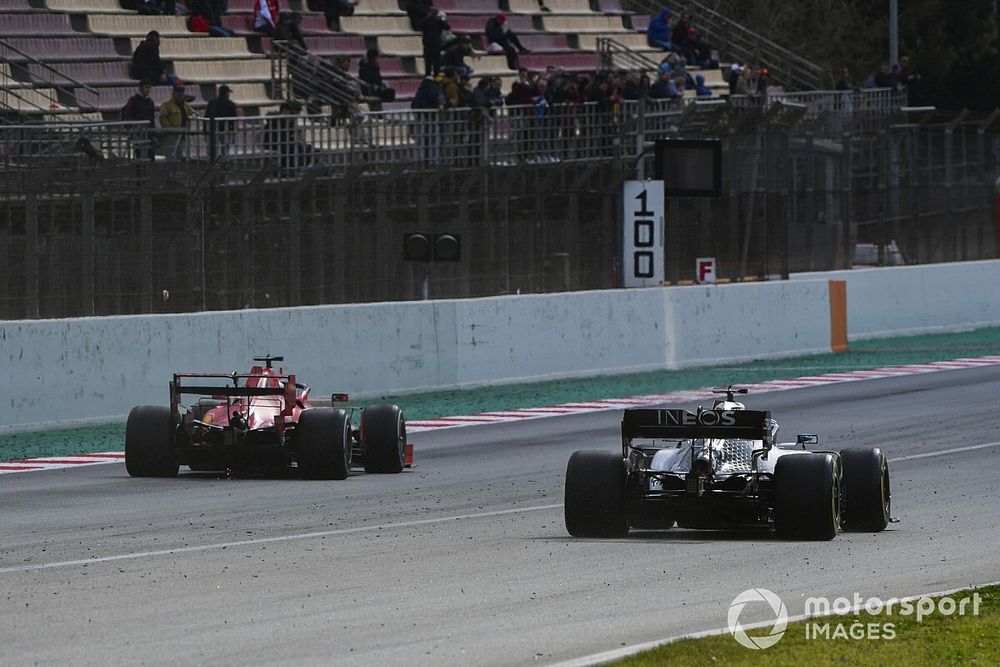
658 32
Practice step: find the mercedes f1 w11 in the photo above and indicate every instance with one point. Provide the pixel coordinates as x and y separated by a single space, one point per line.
263 421
722 468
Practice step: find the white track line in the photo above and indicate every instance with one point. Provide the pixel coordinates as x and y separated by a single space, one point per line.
584 407
271 540
626 651
943 452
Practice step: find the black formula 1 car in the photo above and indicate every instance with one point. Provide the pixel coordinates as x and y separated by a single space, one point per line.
263 421
721 468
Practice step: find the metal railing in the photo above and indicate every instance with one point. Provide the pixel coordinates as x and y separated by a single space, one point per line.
736 42
425 139
617 56
298 74
50 92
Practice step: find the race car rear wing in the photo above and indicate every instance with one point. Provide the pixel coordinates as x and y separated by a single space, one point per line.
717 424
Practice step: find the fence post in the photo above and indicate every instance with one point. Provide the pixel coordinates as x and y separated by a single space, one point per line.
32 307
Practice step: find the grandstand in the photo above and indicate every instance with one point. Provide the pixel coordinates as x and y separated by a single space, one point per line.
69 59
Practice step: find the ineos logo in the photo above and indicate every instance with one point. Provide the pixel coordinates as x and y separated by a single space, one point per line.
704 418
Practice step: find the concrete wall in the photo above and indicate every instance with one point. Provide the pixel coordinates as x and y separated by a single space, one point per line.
897 301
93 369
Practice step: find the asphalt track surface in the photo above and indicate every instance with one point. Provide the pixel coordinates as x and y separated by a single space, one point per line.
464 559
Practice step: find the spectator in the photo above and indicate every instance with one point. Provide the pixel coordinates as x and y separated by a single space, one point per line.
844 79
450 87
661 90
223 131
744 81
658 32
632 91
175 116
495 93
501 39
455 53
140 107
431 29
281 135
763 81
679 35
481 94
206 16
288 29
265 16
700 89
333 10
146 63
524 90
372 84
427 126
417 11
885 77
699 52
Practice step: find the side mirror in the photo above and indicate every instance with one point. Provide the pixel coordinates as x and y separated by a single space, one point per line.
804 439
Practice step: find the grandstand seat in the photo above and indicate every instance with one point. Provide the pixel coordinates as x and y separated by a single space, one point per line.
476 24
64 48
485 7
554 7
400 45
376 25
378 7
632 40
113 98
201 47
571 62
107 72
87 6
250 94
611 7
209 71
325 45
35 25
639 22
574 24
134 25
544 42
16 7
242 24
490 65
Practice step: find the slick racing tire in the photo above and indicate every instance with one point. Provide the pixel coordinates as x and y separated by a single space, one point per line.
323 444
149 437
807 496
867 501
594 504
383 438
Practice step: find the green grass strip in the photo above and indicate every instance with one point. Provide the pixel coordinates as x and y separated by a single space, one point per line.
935 640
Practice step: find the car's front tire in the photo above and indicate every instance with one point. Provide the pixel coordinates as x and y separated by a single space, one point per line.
323 444
149 439
594 504
867 498
807 496
383 438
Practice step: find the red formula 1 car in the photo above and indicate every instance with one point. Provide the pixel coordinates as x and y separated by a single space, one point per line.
261 422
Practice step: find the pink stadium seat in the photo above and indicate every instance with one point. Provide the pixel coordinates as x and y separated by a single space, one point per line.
640 23
16 6
571 62
544 42
611 7
325 45
406 88
65 48
113 72
242 24
487 7
36 25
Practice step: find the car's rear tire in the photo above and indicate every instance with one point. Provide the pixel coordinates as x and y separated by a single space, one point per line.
594 504
383 438
323 444
149 440
867 497
807 496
